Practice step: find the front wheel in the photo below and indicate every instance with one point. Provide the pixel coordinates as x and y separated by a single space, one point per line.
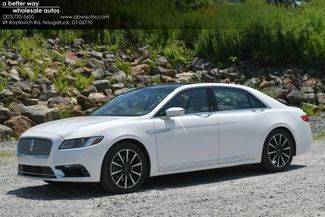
124 169
278 151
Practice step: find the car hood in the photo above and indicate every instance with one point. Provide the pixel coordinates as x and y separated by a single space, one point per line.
65 127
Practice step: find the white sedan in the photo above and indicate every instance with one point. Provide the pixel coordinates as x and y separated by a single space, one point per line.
165 129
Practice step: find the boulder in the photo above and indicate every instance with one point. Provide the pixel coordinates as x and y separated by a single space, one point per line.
98 97
117 86
5 114
101 85
85 102
320 97
142 69
5 132
307 89
162 61
144 79
98 73
40 113
46 94
88 90
197 64
19 124
253 82
188 77
296 97
60 102
70 58
15 108
166 72
97 55
118 76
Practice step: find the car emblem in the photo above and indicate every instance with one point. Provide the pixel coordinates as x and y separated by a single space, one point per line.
31 146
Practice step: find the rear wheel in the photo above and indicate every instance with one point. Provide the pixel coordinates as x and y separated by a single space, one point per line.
278 151
124 169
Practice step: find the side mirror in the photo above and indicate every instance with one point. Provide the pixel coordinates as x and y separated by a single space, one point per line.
175 111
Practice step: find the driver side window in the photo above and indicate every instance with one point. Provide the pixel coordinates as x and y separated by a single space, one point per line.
192 101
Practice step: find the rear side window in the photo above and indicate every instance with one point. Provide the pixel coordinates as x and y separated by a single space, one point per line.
235 99
192 101
254 102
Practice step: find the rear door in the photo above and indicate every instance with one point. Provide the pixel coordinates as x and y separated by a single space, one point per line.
240 126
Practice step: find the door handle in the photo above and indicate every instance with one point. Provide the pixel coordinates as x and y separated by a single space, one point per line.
258 110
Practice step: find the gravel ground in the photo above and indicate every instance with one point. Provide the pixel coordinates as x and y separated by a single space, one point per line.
236 191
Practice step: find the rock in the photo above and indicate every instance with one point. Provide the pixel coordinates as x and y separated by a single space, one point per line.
5 114
88 111
167 79
46 94
296 97
253 82
197 64
307 89
144 79
85 102
140 69
78 42
50 73
60 102
265 84
40 113
120 91
187 77
19 124
101 85
95 64
70 58
5 132
13 77
6 93
162 61
117 86
156 79
118 76
15 108
98 73
12 62
214 72
166 72
98 97
28 101
78 112
320 97
97 55
88 90
207 78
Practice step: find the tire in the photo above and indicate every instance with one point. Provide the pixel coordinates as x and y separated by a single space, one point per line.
124 169
278 151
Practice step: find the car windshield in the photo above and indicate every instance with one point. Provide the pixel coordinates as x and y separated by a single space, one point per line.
134 103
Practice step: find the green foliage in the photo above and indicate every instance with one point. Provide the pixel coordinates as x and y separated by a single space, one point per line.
177 53
271 93
122 65
311 109
65 113
82 82
61 82
3 84
56 56
32 48
81 63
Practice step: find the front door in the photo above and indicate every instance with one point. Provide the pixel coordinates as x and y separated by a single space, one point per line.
190 140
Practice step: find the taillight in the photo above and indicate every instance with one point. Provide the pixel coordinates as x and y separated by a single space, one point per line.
305 118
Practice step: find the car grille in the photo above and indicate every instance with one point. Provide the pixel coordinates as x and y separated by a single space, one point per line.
36 171
34 146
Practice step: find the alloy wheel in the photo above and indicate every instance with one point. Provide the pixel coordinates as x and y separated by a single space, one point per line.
126 168
279 150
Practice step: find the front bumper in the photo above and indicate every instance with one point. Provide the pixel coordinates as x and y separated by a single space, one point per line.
70 165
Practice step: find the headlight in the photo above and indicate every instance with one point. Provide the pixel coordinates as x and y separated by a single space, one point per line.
80 142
